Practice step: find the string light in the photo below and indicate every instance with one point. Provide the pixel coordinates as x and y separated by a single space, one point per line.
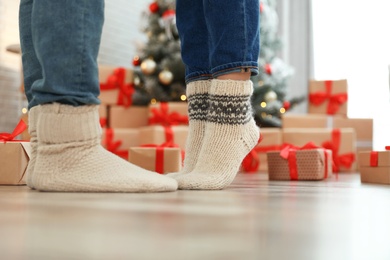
263 114
263 104
153 101
24 110
183 97
282 110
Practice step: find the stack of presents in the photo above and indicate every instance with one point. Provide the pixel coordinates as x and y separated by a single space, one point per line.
308 147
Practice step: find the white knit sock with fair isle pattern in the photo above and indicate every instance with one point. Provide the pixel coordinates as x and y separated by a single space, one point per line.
197 95
70 157
230 134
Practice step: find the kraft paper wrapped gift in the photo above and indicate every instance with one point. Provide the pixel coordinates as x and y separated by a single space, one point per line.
311 164
14 158
128 117
156 159
159 134
25 136
168 113
374 167
256 160
119 140
363 126
342 142
328 97
116 87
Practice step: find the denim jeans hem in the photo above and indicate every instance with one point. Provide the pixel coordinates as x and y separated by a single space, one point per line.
235 67
65 100
200 75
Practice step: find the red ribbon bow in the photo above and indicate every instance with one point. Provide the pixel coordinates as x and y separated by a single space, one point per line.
117 81
251 162
345 160
162 117
9 137
374 157
113 146
159 163
289 153
335 100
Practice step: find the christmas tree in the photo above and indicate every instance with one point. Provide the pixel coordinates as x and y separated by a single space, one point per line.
270 86
159 70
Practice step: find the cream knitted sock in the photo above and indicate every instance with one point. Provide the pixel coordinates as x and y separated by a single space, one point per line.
230 135
32 130
197 96
70 157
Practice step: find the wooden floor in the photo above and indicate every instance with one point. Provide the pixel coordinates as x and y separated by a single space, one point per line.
252 219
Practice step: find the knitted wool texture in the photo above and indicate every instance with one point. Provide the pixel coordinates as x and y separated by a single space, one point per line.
32 130
70 157
230 134
197 97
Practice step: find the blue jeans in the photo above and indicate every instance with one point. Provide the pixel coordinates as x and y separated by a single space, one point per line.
218 37
60 42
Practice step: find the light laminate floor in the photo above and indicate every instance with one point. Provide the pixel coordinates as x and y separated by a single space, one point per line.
252 219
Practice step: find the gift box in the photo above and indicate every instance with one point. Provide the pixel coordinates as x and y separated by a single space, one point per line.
363 126
116 85
328 97
156 159
256 160
119 140
342 142
25 136
14 158
374 167
311 164
163 134
168 113
128 117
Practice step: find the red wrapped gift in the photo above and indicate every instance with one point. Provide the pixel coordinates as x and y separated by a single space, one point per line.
14 157
328 97
305 163
116 86
119 140
342 142
374 166
159 159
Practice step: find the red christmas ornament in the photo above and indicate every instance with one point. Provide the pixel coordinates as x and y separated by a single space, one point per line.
261 7
153 7
286 105
268 69
168 14
136 61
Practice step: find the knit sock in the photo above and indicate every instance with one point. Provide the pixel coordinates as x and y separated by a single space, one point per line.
230 135
32 130
70 157
197 96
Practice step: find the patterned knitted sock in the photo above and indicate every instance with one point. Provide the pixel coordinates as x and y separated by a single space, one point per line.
230 135
197 96
70 157
32 130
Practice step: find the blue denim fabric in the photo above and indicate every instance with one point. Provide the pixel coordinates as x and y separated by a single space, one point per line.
60 42
218 37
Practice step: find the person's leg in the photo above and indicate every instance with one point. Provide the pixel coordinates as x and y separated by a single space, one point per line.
66 38
32 71
231 131
194 44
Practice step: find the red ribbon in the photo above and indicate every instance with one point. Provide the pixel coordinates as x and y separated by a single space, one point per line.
345 160
9 137
162 117
374 157
113 146
103 121
251 162
335 100
117 81
289 153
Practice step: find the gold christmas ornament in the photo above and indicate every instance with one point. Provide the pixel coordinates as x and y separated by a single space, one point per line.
270 96
148 66
165 77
